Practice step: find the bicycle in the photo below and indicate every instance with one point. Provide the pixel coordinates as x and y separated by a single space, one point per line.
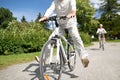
52 64
101 41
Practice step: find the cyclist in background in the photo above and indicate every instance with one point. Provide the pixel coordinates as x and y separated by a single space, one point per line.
101 33
68 8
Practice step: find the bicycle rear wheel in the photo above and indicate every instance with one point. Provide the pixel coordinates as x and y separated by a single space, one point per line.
71 55
50 68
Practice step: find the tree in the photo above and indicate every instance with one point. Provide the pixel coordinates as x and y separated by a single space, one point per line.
85 14
39 16
110 18
5 17
23 19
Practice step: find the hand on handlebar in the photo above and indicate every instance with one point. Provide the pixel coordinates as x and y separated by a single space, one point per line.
42 19
54 18
70 15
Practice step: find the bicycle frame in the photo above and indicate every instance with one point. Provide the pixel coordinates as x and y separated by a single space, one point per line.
54 58
59 45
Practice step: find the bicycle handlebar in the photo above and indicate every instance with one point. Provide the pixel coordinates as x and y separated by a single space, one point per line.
54 18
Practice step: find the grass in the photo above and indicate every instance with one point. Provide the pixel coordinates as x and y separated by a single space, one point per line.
117 40
87 45
7 60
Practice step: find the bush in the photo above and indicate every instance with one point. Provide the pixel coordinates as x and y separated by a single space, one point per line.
22 38
26 37
85 38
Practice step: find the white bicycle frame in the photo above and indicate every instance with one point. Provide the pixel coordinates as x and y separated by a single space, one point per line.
59 45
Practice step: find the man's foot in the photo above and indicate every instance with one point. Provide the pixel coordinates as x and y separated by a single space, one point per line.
37 58
85 62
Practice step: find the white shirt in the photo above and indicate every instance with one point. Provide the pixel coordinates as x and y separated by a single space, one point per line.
101 30
62 8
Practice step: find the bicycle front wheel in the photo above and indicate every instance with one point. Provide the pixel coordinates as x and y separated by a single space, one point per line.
50 67
102 45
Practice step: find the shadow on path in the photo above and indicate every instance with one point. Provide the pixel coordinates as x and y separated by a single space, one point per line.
70 74
94 48
35 73
66 71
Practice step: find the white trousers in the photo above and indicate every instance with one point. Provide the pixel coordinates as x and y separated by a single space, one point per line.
78 43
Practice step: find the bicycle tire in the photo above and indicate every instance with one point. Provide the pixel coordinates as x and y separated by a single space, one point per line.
61 64
71 55
52 70
102 45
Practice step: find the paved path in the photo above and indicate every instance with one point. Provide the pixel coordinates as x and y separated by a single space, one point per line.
104 65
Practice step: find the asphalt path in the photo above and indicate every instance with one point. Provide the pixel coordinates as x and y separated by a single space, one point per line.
104 65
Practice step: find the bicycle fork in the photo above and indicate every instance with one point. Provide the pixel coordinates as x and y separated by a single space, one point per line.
59 47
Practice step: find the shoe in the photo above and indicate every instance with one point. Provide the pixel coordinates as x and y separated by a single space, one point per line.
37 58
85 62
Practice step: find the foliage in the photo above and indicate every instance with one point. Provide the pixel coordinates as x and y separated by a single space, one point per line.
110 18
23 19
5 17
22 37
110 6
85 37
85 16
39 16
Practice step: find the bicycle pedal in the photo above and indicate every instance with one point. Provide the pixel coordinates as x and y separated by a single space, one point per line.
72 53
52 63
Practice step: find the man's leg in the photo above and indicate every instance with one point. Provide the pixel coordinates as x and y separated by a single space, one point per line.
79 45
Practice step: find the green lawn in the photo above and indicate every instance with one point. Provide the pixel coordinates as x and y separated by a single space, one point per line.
7 60
118 40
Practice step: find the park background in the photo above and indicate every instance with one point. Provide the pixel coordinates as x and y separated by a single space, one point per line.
19 35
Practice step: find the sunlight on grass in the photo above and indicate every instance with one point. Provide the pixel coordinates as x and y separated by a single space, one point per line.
7 60
118 40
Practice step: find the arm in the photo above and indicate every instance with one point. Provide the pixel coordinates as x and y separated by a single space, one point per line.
97 31
48 12
105 31
73 12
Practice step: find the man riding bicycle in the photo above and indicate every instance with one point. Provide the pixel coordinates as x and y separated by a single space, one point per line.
68 8
101 31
